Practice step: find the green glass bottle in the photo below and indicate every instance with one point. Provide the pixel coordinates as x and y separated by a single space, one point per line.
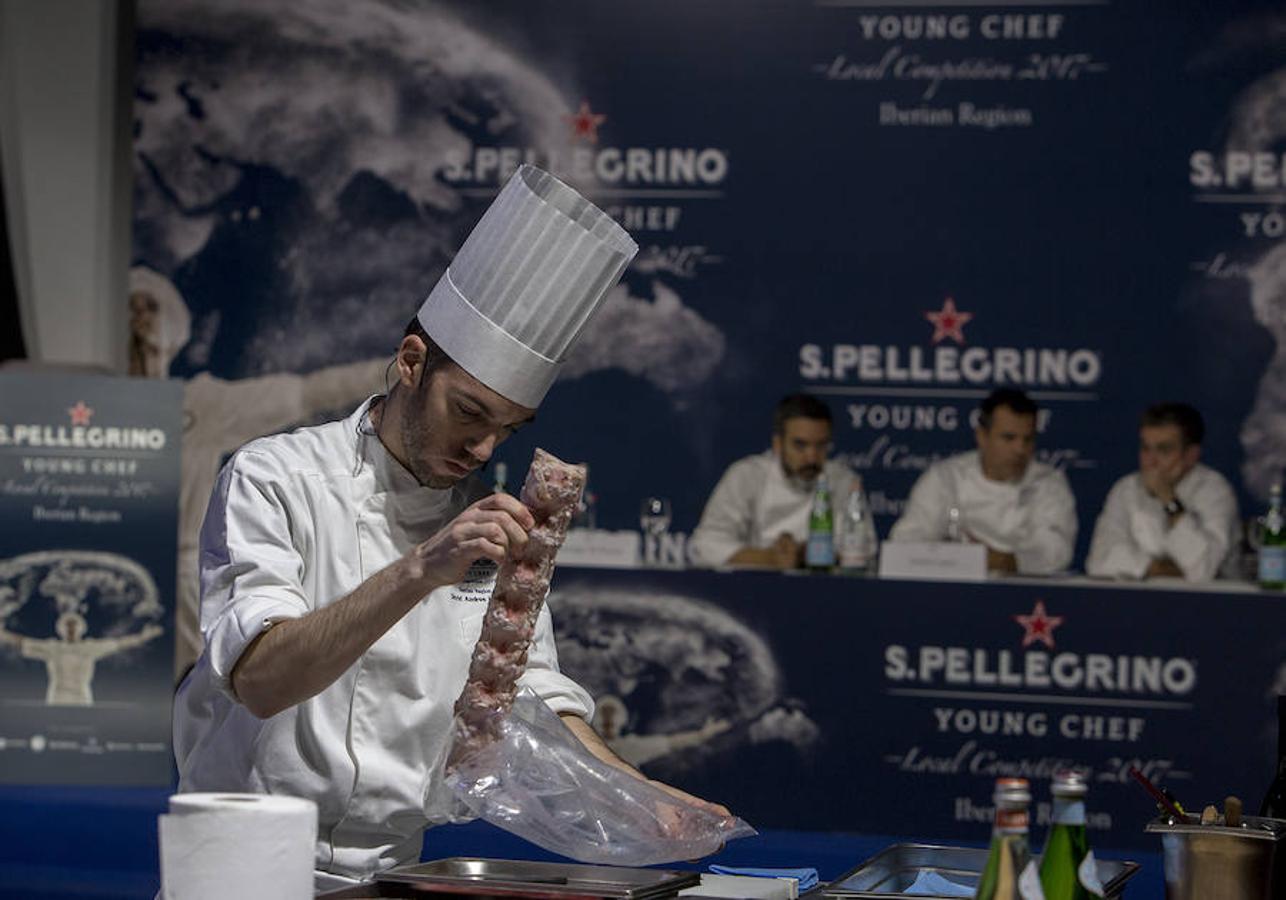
1068 870
819 553
1010 873
1272 543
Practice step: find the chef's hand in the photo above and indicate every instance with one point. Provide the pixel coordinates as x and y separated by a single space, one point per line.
1000 561
493 528
1160 480
671 817
783 553
1163 567
684 796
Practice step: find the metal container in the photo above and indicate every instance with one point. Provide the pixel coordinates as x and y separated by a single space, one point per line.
1215 862
891 871
521 878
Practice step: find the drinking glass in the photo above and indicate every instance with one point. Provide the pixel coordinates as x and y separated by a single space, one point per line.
654 515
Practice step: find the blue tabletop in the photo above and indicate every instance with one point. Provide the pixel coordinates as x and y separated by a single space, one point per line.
101 842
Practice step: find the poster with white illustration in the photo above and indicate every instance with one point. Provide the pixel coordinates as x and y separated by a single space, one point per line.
89 473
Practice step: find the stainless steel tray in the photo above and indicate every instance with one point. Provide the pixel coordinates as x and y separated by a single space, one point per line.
891 871
520 878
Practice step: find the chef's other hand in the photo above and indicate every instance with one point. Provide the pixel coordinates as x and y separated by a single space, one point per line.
493 528
716 808
999 561
787 552
671 818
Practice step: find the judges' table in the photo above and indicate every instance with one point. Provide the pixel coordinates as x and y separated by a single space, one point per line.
865 705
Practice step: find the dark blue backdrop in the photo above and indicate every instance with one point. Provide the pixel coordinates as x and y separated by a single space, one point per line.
807 182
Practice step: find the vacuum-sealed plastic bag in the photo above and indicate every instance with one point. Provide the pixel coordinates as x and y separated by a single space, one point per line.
539 782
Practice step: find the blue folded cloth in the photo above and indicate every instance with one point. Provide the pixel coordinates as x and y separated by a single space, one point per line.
806 877
931 884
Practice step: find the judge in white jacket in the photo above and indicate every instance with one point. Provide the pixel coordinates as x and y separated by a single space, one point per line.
758 513
997 495
1173 517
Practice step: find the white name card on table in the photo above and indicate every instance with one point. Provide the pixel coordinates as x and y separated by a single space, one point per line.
744 887
593 547
938 560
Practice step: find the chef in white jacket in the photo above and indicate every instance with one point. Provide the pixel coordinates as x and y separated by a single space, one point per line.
758 513
998 495
345 568
1173 517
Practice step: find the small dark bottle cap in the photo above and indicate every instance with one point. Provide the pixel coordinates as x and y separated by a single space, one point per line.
1069 783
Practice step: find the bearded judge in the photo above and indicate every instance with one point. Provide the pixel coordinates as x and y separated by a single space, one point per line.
758 513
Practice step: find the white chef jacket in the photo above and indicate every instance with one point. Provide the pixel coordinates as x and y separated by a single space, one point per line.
1132 530
1033 518
296 522
755 502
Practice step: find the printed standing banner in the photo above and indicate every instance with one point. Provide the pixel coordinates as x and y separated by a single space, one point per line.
89 477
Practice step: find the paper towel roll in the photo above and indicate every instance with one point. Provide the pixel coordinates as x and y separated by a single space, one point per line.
245 846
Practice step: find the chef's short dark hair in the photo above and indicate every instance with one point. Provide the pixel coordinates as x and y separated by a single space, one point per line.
434 356
1014 400
798 406
1184 417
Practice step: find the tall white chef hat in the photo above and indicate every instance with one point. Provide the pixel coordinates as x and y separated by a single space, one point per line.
516 297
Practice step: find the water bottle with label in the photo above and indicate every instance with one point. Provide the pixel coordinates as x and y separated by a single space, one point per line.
1010 873
819 553
858 544
1068 870
1272 543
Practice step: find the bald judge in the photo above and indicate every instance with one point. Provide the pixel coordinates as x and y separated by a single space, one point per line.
997 495
345 567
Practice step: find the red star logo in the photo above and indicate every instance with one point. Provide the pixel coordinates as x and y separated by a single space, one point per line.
80 413
584 124
1039 626
948 322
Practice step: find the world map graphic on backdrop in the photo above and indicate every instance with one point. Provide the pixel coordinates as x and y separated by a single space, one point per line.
1238 182
301 239
676 681
296 222
304 172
